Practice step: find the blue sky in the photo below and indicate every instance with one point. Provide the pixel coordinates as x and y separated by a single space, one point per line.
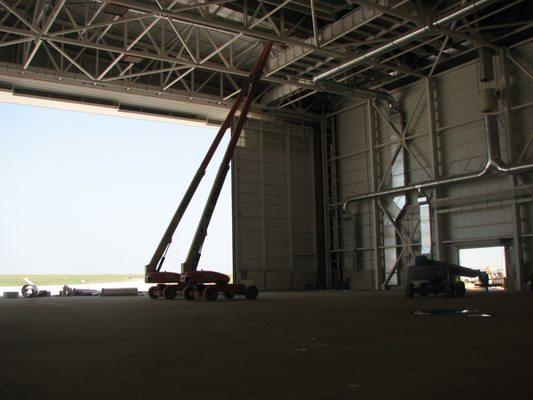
88 193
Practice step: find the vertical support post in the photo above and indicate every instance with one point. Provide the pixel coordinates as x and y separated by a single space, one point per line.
261 146
97 62
507 117
515 208
289 202
437 228
339 231
316 178
334 210
62 58
325 208
336 229
234 201
315 25
371 131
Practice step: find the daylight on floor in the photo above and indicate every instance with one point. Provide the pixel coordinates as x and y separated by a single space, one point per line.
266 199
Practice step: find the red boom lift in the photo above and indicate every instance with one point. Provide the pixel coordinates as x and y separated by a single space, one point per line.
195 283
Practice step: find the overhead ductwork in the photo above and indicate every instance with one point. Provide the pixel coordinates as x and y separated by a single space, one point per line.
486 65
494 162
473 6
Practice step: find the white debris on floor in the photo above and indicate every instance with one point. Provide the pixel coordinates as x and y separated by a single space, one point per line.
84 288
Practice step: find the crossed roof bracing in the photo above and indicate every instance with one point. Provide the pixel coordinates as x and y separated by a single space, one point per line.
203 49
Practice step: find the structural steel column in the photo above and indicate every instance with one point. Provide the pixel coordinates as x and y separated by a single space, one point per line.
325 197
515 208
337 230
289 202
236 240
262 209
439 253
371 125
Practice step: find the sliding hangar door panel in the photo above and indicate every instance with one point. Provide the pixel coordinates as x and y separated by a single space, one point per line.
274 206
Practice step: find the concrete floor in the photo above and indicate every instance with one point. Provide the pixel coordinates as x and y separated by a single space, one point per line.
313 345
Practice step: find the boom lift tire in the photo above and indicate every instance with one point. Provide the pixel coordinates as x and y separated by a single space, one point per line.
170 292
449 290
187 293
460 289
153 292
210 293
409 290
251 292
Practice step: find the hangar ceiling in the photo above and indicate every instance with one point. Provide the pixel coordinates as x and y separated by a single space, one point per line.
189 57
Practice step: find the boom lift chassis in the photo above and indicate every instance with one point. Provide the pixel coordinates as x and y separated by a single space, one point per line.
195 283
432 276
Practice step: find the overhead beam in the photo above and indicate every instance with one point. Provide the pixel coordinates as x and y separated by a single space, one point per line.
330 33
211 23
306 84
13 11
302 6
315 24
137 96
421 21
438 24
191 19
334 31
53 15
129 47
198 5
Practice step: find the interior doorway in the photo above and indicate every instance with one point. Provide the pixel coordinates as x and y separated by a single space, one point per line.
489 259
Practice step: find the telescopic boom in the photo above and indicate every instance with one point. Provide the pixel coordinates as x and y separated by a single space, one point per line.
158 257
193 257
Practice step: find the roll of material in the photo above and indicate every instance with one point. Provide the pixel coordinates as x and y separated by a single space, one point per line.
68 291
120 292
11 295
29 290
83 292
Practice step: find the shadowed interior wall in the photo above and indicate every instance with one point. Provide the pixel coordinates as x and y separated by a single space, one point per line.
443 137
274 212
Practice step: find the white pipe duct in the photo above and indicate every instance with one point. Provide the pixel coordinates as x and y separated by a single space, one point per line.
494 161
404 39
490 165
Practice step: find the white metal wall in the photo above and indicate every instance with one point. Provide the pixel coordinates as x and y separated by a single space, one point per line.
274 206
443 137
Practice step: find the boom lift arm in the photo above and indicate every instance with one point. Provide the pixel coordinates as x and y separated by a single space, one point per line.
158 258
193 257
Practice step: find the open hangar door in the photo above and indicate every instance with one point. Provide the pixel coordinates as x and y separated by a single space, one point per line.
274 220
491 259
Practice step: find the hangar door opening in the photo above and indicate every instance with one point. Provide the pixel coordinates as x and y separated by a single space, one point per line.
489 259
86 197
274 206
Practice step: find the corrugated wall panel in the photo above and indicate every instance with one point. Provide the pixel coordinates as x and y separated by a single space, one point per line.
468 213
353 165
274 207
459 121
521 92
